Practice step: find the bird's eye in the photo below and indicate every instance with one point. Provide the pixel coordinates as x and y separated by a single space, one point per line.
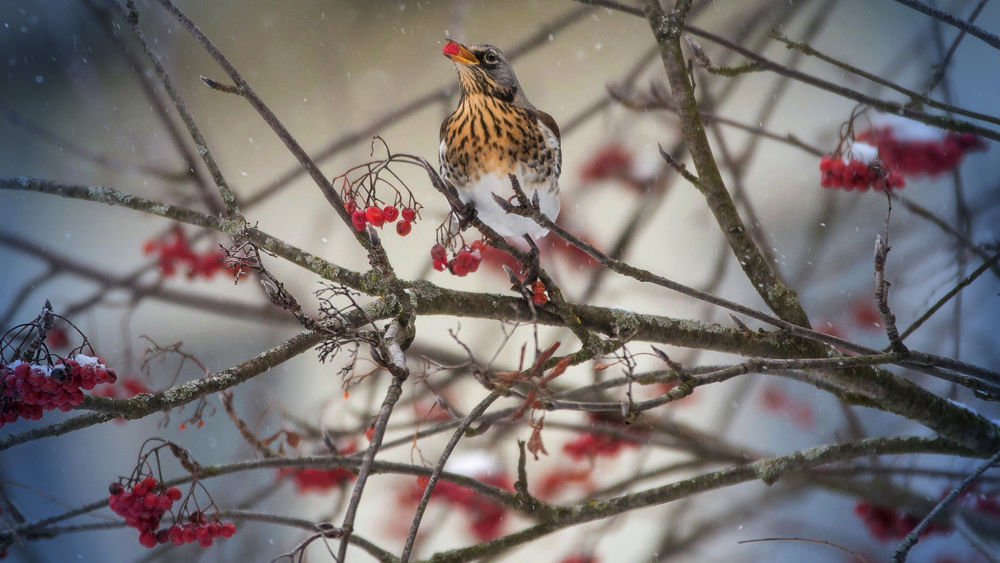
490 58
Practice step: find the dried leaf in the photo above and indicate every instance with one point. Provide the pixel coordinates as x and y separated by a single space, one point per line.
535 445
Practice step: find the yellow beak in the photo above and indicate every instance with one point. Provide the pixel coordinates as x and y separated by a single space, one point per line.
458 53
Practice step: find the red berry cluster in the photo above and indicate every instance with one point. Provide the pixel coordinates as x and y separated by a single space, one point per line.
856 174
591 444
26 390
914 157
377 216
554 482
774 399
464 262
57 337
309 479
887 523
486 514
609 162
175 249
143 506
196 529
130 387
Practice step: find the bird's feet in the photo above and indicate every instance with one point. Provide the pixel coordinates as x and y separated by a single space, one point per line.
465 215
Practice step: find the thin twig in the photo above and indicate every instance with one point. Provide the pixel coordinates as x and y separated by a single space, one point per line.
899 556
882 287
990 39
474 414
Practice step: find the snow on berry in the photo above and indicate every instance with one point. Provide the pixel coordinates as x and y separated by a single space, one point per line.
28 390
917 149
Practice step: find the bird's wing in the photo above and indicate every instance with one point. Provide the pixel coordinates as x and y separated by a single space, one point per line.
550 127
547 120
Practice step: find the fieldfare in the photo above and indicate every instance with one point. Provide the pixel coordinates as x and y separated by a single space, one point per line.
494 133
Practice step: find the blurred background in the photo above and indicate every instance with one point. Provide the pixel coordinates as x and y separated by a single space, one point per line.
75 108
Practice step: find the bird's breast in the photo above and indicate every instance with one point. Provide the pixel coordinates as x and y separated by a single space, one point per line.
487 136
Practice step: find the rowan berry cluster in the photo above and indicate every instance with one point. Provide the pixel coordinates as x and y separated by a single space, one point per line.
887 523
144 505
609 162
308 479
378 216
196 529
486 514
464 262
129 387
854 173
893 149
592 444
28 390
921 156
774 399
174 250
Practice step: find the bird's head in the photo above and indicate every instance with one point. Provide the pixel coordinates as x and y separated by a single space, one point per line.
484 70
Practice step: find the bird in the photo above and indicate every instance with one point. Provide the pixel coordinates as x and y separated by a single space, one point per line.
495 132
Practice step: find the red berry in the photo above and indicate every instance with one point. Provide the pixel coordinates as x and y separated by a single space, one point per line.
173 493
350 207
403 228
478 245
374 215
358 219
147 539
438 253
389 213
409 215
116 488
228 529
188 535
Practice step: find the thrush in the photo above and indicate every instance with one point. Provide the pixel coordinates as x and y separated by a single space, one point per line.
494 133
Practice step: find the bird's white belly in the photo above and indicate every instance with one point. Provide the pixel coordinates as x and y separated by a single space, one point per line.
479 191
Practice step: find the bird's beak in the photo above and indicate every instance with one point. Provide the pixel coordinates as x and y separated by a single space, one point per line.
458 53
